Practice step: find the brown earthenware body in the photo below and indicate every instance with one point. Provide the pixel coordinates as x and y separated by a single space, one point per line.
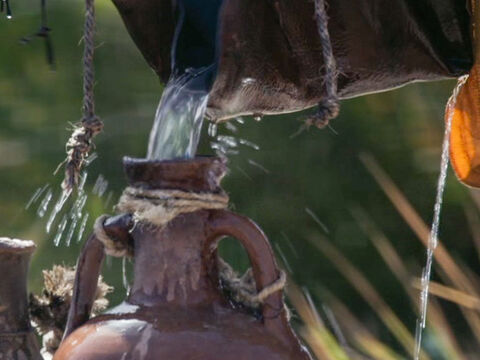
17 339
176 308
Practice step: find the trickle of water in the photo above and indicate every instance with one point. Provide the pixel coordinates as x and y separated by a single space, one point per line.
249 144
212 129
36 195
284 258
231 127
91 159
42 209
433 238
83 224
126 284
317 220
56 209
179 117
109 199
101 185
71 230
259 166
60 229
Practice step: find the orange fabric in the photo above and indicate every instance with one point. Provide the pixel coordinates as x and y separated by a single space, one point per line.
465 134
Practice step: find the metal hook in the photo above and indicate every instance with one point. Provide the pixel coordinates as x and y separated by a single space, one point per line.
5 5
43 32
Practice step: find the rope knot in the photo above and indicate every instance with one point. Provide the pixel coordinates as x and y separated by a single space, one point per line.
326 111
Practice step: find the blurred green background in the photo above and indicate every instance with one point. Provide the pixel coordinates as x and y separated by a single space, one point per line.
316 172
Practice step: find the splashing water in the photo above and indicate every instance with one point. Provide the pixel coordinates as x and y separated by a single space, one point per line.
42 209
433 238
179 117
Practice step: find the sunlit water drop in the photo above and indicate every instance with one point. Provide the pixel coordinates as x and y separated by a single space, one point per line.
259 166
83 224
42 209
101 185
60 229
433 238
57 208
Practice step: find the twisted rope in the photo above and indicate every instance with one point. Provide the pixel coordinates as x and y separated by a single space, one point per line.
158 207
329 107
243 289
80 143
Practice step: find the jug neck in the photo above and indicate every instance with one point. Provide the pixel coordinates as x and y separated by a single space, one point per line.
172 268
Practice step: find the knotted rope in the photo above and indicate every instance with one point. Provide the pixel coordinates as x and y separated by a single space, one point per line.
158 207
329 107
243 290
80 143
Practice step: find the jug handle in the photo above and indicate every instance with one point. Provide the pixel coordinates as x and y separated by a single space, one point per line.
265 271
88 269
89 266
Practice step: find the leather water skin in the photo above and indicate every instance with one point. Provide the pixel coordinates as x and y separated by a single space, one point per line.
269 51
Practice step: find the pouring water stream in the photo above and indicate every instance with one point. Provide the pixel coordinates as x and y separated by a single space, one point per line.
433 237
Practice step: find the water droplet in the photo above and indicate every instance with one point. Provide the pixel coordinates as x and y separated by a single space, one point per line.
317 220
83 224
71 231
60 229
231 127
248 81
91 158
126 284
259 166
36 195
212 129
109 199
249 144
257 117
284 258
101 185
42 209
56 209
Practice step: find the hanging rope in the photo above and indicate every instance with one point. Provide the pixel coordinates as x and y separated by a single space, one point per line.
43 33
80 143
329 106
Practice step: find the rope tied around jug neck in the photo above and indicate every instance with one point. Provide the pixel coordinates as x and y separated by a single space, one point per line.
158 207
80 143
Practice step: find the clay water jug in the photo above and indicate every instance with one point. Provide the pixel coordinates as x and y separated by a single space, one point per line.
17 338
176 308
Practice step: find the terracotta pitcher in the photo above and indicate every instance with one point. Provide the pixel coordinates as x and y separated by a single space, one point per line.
176 308
17 339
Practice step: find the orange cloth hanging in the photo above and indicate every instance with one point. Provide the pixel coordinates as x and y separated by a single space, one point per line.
465 134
